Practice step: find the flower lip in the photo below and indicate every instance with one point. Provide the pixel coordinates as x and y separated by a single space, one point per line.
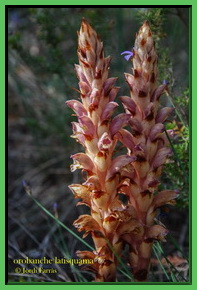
105 142
128 54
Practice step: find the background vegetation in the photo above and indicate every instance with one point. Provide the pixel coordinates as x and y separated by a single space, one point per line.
42 45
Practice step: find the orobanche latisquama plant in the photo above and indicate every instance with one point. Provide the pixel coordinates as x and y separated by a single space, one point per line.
112 223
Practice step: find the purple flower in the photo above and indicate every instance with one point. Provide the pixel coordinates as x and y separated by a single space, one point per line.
55 205
24 183
128 54
27 187
165 82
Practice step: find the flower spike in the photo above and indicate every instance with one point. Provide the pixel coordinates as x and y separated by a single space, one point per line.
150 148
96 130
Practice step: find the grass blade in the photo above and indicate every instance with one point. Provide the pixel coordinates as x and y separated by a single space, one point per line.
162 267
60 223
159 248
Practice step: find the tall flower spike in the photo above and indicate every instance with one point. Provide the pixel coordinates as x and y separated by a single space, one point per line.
149 146
97 131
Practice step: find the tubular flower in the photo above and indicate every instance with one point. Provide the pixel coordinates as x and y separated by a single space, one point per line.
97 131
148 143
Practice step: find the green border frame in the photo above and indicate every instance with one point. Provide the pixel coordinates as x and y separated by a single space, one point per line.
193 119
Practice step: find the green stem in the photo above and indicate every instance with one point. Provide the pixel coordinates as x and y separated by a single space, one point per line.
162 267
159 248
60 223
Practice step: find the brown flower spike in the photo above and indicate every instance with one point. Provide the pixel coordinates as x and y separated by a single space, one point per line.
96 130
112 222
149 146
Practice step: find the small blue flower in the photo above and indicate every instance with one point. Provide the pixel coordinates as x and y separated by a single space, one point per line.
165 82
55 205
55 209
128 54
24 182
27 187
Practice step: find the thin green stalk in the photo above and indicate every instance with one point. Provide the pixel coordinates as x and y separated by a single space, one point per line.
159 248
63 248
74 269
175 269
60 223
162 267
